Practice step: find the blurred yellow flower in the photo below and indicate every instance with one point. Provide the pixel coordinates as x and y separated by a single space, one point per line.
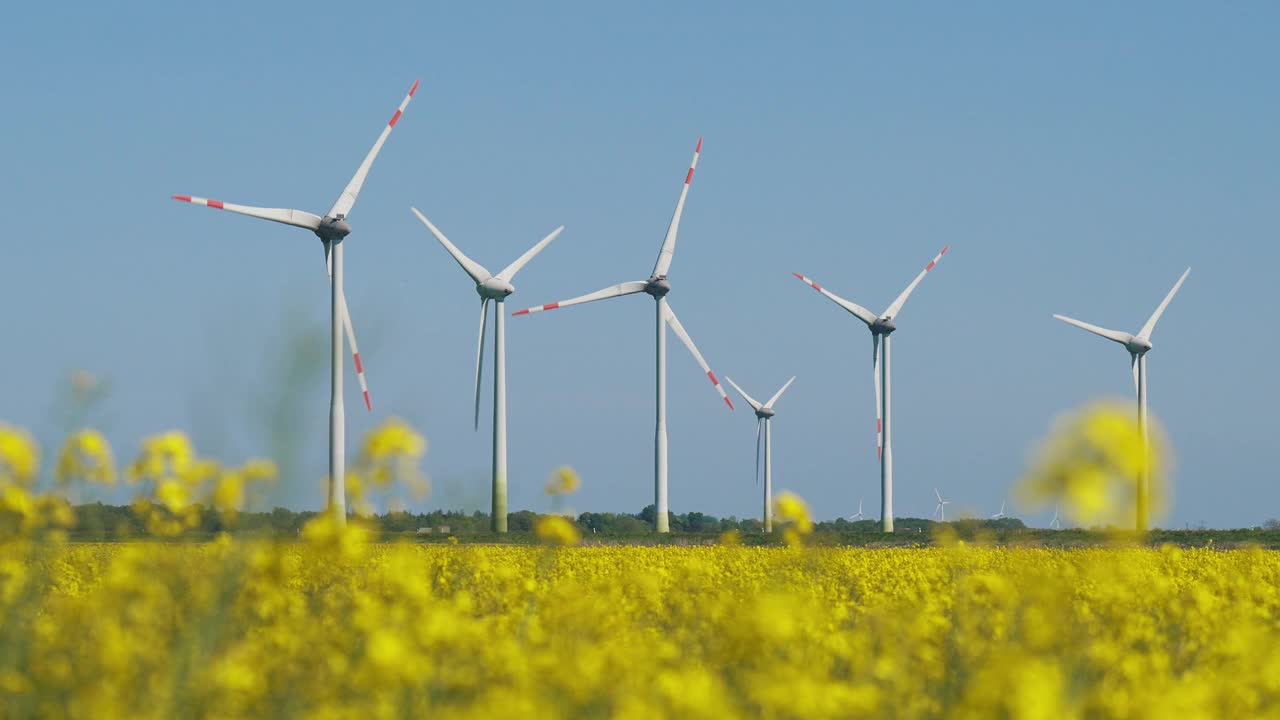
165 455
791 509
86 457
558 530
564 481
19 456
1092 462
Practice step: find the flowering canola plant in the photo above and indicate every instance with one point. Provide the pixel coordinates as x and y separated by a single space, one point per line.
338 627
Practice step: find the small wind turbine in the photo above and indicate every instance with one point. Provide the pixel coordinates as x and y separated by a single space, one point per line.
1138 346
940 512
496 288
1054 524
857 515
331 229
657 286
764 413
1000 514
882 325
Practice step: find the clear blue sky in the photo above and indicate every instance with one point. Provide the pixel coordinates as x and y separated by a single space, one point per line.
1077 159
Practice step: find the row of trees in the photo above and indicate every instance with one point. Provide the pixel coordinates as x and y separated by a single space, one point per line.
120 521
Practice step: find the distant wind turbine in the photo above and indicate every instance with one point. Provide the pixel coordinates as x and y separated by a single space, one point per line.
857 515
495 288
764 415
1138 346
657 287
1054 524
331 229
881 325
940 512
1000 514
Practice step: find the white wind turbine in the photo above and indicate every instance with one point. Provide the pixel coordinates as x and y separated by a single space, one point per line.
1138 346
496 288
857 515
331 229
657 286
764 414
940 512
882 325
1054 524
1000 514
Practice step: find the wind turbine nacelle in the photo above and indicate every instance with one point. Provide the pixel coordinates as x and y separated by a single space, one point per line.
764 413
333 229
1138 346
495 288
883 326
658 286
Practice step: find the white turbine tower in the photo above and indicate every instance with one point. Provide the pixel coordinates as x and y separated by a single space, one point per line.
882 325
940 512
331 229
764 414
657 286
1000 514
1138 346
496 288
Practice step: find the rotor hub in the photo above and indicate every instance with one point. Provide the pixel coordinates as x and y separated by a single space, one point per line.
495 289
658 286
883 326
1138 346
764 413
333 229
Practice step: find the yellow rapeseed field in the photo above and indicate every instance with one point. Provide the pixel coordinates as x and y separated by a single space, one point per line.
334 627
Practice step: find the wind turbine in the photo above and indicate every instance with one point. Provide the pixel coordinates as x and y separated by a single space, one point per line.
857 515
1138 346
496 288
1000 514
882 325
657 286
331 229
764 413
1054 524
940 512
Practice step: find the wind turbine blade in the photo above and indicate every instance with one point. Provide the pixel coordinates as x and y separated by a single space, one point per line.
474 269
663 265
674 322
1121 337
510 271
626 288
355 352
296 218
328 259
896 307
1145 332
855 309
757 476
875 370
938 494
342 206
484 316
778 394
1133 367
755 405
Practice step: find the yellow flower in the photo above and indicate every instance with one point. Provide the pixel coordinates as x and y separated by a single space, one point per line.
19 456
86 457
558 530
790 508
564 481
1092 461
